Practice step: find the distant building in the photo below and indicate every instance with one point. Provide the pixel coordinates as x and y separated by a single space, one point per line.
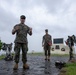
58 46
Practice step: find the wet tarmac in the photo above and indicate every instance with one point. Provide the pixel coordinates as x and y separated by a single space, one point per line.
38 66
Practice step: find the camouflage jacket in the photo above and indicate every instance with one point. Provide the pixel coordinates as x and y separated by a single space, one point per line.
21 33
46 39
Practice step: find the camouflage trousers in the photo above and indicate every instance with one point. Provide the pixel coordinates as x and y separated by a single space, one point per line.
71 53
47 50
17 48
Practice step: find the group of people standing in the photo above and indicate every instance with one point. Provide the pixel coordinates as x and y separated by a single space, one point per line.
21 42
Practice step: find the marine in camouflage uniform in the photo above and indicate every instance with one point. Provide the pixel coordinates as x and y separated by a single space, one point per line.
21 42
46 43
70 43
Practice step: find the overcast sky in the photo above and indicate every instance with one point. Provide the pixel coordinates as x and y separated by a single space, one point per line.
58 16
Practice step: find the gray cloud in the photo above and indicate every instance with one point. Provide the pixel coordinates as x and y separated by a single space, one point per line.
56 15
7 19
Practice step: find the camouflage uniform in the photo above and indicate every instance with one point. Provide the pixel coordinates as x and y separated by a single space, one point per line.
21 42
71 45
46 40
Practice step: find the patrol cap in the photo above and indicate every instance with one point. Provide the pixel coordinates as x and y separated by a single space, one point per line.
22 17
46 30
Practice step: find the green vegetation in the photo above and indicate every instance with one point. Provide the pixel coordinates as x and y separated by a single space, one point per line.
61 55
70 69
70 64
2 57
35 54
0 44
40 53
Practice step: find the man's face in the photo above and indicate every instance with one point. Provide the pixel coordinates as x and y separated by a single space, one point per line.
22 20
46 32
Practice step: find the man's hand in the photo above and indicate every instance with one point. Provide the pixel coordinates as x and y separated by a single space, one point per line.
31 29
16 28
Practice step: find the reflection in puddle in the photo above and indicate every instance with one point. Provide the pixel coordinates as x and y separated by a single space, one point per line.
47 69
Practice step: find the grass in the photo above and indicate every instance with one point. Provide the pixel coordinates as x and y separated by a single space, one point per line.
70 69
35 53
39 53
60 55
2 57
70 64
